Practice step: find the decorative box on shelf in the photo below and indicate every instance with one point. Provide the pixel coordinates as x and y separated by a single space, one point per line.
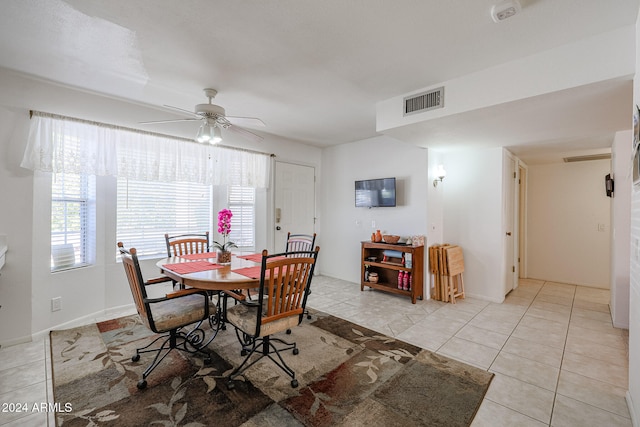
408 259
417 240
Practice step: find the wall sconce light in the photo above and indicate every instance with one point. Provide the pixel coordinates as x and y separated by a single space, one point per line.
440 173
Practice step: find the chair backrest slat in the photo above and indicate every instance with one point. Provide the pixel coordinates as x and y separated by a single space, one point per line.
300 242
186 244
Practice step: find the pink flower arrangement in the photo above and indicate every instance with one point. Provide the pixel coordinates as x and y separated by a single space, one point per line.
224 227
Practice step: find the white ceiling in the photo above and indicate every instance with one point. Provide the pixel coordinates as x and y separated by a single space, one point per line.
311 70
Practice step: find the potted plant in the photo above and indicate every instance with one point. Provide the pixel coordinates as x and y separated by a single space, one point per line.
224 227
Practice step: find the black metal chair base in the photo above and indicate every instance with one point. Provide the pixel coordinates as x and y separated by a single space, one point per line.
265 347
175 339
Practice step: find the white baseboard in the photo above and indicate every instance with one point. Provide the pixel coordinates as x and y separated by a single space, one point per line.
634 419
484 298
15 341
98 316
621 325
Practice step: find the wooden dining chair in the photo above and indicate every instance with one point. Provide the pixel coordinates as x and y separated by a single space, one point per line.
167 316
300 242
186 244
282 296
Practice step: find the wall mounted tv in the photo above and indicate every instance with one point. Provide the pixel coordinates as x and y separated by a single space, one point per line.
372 193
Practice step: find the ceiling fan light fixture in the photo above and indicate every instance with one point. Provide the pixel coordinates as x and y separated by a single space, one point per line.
212 119
205 133
217 135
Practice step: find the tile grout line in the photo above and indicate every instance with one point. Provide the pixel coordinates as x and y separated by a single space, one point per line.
589 378
564 350
500 351
515 327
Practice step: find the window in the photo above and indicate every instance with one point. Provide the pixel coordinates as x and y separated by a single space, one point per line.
72 221
146 210
242 202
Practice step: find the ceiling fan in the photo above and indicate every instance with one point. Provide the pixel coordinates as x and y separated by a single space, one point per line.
214 119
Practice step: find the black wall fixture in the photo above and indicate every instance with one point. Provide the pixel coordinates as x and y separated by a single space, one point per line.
608 185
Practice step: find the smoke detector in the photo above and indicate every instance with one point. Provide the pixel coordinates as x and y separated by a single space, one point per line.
505 10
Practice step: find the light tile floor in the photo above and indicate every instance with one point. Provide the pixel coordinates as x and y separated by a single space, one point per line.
557 359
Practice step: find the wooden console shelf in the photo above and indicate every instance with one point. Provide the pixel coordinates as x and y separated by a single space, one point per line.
388 270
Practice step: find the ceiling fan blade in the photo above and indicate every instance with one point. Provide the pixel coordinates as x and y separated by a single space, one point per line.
245 133
182 110
245 121
153 122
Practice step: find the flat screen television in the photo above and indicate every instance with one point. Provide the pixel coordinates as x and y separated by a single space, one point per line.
373 193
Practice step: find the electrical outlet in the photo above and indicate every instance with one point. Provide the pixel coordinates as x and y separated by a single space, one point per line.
56 304
373 224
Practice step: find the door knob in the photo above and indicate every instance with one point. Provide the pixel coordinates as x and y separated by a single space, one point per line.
278 228
508 233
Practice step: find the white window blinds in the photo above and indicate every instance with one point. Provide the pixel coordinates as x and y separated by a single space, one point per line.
72 221
242 201
148 210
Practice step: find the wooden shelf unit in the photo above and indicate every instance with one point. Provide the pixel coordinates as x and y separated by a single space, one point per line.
388 271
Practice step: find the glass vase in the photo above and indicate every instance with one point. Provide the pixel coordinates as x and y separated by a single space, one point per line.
224 257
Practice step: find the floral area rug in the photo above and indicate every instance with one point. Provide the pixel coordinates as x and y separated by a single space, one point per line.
348 375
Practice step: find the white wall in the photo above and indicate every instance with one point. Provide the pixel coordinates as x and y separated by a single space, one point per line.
585 61
472 217
26 284
345 226
633 397
16 189
566 202
436 197
434 208
620 228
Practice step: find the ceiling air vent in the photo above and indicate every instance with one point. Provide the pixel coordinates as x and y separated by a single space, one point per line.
424 101
603 156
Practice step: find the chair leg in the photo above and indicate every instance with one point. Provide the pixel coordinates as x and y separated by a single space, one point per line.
452 289
174 340
266 348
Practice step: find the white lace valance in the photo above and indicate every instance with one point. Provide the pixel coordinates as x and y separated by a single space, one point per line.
61 144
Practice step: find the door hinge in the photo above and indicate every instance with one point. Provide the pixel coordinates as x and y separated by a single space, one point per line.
513 268
514 175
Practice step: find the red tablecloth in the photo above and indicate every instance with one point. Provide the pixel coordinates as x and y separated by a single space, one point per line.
203 255
191 267
258 257
252 272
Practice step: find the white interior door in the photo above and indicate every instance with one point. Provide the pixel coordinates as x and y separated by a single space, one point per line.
510 221
294 201
522 221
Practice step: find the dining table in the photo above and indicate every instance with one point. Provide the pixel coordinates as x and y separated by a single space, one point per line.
201 271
